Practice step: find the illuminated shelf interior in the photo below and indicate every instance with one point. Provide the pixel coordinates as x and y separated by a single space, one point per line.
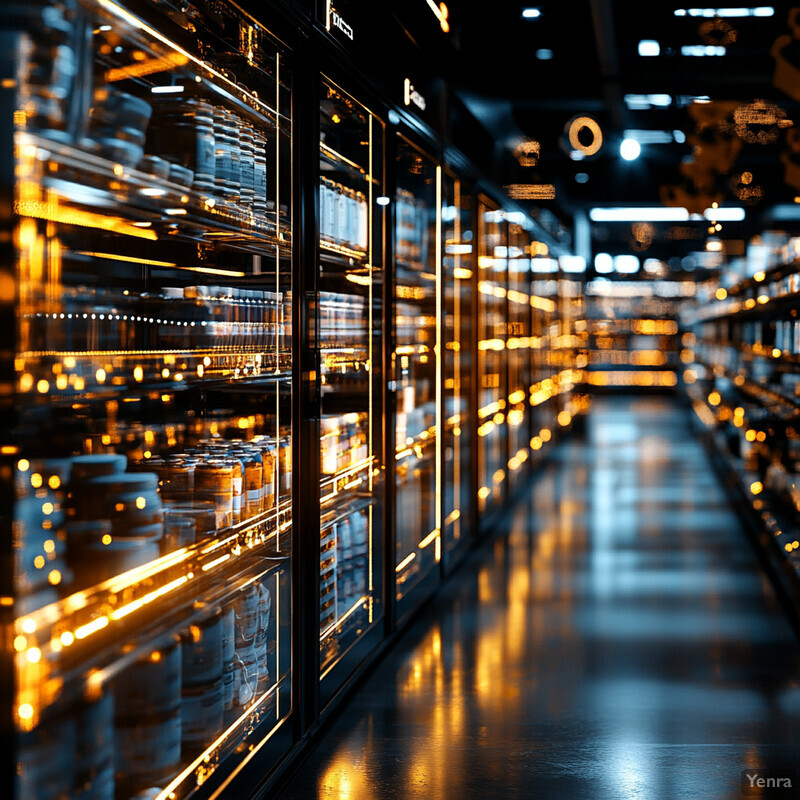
147 201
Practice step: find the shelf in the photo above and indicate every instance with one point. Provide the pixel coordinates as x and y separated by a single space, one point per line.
334 516
757 391
155 208
352 168
101 374
776 515
83 632
770 276
782 358
343 251
346 481
419 445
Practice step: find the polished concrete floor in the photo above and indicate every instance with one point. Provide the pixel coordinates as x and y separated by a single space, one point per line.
616 640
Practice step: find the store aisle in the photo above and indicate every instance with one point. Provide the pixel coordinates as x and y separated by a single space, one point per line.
618 641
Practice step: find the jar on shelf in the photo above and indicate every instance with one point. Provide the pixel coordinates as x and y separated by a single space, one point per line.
247 192
182 131
201 682
147 718
227 155
259 173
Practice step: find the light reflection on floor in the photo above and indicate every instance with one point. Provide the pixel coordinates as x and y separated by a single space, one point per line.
617 642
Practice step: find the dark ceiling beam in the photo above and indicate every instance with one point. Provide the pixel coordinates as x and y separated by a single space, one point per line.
605 41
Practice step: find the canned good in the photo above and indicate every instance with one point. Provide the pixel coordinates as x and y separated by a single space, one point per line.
201 714
179 531
246 614
202 651
129 499
285 456
237 483
259 173
213 482
99 561
227 155
202 514
245 679
151 685
39 541
92 466
183 132
94 758
148 748
45 765
228 656
247 189
253 486
262 637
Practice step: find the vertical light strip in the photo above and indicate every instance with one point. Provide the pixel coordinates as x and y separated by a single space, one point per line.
277 645
278 316
328 14
371 584
439 363
370 332
457 364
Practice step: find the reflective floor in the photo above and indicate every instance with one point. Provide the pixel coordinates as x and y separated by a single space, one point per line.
616 641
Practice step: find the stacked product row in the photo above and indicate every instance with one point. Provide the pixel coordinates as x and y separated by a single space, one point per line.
167 705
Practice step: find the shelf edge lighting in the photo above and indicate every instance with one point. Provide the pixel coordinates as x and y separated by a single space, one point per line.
664 214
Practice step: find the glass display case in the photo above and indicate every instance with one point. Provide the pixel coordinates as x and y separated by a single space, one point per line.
417 369
518 352
350 344
457 212
153 440
492 362
545 340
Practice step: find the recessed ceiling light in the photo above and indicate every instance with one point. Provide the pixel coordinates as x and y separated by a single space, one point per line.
649 47
630 149
757 11
626 264
582 177
543 54
639 214
572 263
700 50
531 13
641 102
649 136
603 263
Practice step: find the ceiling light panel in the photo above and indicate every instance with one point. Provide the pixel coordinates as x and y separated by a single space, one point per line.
649 47
757 11
700 50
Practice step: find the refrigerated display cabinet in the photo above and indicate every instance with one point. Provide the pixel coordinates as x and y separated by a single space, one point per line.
543 391
518 352
458 233
350 346
492 362
417 371
152 441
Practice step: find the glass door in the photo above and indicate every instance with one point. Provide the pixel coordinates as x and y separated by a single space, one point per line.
492 362
152 519
350 342
543 397
518 350
417 342
457 212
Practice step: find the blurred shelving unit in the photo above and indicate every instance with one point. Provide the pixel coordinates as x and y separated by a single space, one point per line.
742 377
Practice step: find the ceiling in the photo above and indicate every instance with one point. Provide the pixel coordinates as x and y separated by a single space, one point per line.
730 150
